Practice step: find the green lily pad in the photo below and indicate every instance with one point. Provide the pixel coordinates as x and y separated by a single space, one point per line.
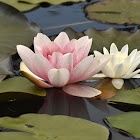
22 85
15 29
25 5
115 11
128 96
129 122
47 127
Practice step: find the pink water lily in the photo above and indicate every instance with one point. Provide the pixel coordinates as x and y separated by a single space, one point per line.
61 63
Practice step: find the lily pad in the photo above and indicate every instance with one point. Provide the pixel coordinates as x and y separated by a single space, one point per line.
15 29
129 122
22 85
128 96
25 5
47 127
115 11
120 38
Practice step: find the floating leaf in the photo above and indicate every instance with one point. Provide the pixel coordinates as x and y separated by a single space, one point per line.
14 29
115 11
22 85
44 127
25 5
129 122
128 96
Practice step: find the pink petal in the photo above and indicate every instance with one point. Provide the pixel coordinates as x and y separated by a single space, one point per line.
82 41
62 39
95 67
56 59
27 56
58 77
81 90
80 69
42 66
40 42
70 47
67 62
32 77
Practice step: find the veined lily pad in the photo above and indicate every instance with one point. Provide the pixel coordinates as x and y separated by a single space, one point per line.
25 5
15 29
128 96
20 84
129 122
47 127
115 11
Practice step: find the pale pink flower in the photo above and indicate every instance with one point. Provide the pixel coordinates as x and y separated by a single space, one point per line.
61 63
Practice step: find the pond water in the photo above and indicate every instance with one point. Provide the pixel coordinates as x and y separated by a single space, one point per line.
52 20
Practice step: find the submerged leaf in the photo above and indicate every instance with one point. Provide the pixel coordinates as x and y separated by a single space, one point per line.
14 29
25 5
129 122
22 85
115 11
128 96
45 127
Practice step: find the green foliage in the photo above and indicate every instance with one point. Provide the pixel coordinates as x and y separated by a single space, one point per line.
115 11
25 5
46 127
21 85
129 122
128 96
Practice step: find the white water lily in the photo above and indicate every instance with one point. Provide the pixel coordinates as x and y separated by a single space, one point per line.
120 66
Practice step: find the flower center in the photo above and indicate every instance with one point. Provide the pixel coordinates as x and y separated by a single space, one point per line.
121 57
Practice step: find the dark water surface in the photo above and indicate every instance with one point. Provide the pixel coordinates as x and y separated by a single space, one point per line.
53 20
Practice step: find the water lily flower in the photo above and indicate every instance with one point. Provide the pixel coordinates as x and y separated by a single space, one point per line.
120 66
61 63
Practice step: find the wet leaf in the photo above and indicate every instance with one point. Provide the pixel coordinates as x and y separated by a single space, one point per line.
25 5
120 38
15 29
115 11
22 85
45 127
128 96
129 122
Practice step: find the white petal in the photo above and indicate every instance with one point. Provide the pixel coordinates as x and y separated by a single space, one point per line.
118 83
81 90
119 70
58 77
136 76
113 49
107 70
98 76
134 66
105 51
130 75
97 53
62 39
124 50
